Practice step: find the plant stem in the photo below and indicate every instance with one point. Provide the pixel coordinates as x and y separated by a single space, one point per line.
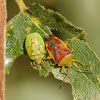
21 4
2 28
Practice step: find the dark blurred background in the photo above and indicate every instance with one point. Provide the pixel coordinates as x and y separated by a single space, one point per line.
24 83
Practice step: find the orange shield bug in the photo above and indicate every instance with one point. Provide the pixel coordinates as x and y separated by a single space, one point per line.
59 52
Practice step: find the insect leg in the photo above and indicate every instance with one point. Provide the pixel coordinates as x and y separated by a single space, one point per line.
66 42
42 63
62 68
34 64
67 75
83 70
74 60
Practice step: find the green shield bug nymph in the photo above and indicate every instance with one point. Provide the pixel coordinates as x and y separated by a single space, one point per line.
35 47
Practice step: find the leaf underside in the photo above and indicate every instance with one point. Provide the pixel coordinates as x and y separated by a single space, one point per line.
85 84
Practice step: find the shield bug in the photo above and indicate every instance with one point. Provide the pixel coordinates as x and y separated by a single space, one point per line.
35 48
59 52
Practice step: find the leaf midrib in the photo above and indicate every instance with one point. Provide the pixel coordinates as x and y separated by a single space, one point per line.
36 24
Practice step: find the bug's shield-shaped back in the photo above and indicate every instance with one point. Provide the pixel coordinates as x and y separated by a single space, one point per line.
58 50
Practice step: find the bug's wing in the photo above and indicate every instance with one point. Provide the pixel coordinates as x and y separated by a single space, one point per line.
57 49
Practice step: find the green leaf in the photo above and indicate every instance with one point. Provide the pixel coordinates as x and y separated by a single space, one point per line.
17 29
23 24
54 20
85 80
15 37
85 84
44 69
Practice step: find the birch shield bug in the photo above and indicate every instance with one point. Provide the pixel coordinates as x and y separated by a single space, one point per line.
35 48
59 52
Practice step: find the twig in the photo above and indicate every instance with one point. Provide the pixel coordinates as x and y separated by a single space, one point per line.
2 28
21 5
